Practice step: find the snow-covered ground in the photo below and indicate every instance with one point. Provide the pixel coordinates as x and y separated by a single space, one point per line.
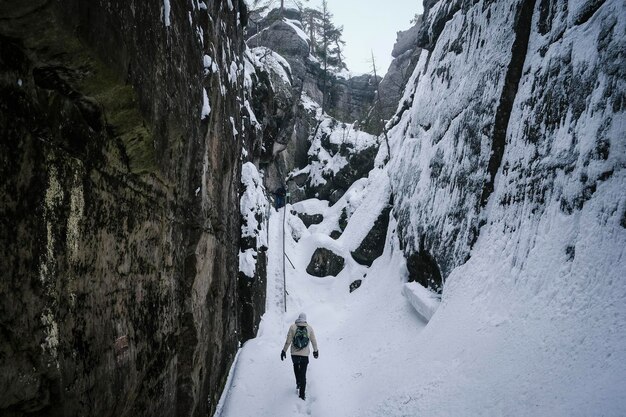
364 337
519 331
500 345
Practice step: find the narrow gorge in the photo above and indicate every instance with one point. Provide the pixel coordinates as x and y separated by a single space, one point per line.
181 179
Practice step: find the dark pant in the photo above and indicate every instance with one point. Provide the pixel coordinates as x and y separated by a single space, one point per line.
299 369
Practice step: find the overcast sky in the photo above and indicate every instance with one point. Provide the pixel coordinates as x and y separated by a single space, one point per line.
370 25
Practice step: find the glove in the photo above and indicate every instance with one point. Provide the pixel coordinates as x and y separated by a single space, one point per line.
283 355
316 354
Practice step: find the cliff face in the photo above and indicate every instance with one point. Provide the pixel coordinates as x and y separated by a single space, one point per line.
523 88
507 169
405 56
353 97
457 124
290 122
120 166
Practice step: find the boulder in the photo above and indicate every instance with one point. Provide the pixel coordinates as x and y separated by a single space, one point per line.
325 262
355 285
359 166
373 244
360 161
309 219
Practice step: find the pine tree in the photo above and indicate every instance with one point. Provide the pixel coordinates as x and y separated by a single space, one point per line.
326 38
326 43
262 5
311 19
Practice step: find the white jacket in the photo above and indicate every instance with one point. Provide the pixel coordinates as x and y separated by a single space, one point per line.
306 350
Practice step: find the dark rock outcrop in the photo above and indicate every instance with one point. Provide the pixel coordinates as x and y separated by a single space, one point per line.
406 54
325 262
351 99
424 270
355 285
343 220
310 219
373 245
359 165
339 155
119 195
335 234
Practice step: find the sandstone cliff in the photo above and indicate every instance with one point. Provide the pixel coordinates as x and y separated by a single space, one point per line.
119 179
489 77
347 99
406 54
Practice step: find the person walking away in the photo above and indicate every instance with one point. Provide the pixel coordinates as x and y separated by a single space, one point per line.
280 194
299 335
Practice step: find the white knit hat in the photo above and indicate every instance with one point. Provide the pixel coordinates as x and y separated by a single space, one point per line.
301 318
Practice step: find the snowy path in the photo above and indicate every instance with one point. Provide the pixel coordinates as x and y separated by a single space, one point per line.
362 336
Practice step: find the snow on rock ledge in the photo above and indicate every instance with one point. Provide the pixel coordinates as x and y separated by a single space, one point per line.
253 206
423 300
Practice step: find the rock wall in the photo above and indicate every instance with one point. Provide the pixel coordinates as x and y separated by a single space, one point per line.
352 98
120 165
285 124
346 99
507 166
255 211
456 124
501 79
405 54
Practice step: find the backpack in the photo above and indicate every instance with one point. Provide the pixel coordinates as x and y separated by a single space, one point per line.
301 337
